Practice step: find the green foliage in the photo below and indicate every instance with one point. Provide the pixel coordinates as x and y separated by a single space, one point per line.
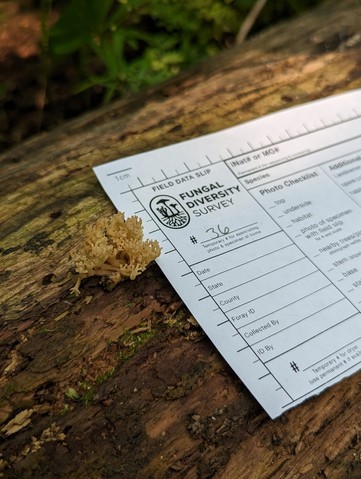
124 45
2 90
131 341
128 44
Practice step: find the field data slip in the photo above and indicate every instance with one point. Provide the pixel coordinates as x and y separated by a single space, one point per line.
260 228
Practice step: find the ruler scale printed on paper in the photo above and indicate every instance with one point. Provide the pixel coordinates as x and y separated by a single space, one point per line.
260 226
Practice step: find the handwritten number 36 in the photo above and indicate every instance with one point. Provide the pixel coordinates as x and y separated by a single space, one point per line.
218 231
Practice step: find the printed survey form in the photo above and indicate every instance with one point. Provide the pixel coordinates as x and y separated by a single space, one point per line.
260 228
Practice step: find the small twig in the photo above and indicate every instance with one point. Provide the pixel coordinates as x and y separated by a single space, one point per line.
249 21
141 329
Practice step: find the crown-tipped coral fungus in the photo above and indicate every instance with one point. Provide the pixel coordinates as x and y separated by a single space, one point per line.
113 248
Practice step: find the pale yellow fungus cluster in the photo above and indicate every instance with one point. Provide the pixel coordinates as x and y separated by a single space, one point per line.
113 248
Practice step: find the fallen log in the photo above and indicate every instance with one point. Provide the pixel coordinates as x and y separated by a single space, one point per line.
124 383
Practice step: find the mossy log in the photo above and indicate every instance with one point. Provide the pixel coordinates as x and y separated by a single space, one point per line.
133 386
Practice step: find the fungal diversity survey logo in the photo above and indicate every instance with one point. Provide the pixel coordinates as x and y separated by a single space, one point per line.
169 211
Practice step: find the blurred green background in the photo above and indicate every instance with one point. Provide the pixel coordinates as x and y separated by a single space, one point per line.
60 58
125 45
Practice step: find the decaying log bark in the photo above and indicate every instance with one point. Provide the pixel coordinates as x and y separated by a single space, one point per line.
124 384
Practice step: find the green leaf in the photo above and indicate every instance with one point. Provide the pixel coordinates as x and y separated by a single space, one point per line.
78 23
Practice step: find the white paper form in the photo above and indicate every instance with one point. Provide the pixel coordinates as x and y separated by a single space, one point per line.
260 226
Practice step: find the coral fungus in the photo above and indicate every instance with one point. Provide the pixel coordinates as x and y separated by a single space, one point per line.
113 248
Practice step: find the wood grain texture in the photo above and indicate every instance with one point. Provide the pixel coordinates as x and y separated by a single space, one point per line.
158 402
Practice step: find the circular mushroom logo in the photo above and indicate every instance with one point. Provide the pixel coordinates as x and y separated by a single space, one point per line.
169 211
